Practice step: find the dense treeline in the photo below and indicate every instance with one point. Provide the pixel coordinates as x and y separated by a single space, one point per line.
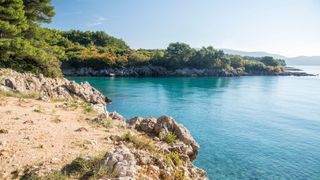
177 55
26 46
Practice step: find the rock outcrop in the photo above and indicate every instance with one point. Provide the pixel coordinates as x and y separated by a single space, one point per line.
138 148
157 71
185 147
120 164
27 83
163 125
149 71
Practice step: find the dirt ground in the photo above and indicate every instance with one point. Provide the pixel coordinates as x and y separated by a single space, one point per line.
46 134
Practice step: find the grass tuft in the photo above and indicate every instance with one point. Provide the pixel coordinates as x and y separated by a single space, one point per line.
86 168
178 174
80 168
19 95
140 142
172 159
88 108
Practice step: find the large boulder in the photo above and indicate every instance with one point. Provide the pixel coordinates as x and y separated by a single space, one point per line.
146 125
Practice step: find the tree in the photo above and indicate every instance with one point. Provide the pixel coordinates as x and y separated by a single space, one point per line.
270 61
38 11
98 38
12 19
24 45
137 58
236 61
204 58
179 52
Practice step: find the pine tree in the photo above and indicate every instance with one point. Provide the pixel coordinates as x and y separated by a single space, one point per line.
12 19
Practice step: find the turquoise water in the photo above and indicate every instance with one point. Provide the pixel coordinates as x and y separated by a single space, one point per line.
247 127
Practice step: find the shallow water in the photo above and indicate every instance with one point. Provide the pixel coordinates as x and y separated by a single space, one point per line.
247 127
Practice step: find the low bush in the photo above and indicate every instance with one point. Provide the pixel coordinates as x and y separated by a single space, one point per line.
170 137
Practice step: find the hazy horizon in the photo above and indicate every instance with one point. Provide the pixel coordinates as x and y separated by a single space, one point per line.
287 28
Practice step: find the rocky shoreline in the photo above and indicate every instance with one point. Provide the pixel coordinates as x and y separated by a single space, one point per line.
156 71
150 148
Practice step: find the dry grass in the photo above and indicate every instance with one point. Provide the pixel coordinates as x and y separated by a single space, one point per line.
138 141
19 95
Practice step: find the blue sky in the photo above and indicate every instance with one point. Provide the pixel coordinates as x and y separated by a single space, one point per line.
287 27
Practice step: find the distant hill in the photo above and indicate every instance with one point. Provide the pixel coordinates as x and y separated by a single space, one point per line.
304 60
300 60
253 54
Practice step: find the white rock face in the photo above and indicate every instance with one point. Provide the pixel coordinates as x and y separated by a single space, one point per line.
51 88
165 124
121 163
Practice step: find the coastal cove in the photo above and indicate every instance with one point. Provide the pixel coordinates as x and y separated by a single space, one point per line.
247 127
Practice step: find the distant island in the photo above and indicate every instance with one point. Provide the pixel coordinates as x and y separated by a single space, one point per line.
291 61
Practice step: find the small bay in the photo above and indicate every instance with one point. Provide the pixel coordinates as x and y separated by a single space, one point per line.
262 127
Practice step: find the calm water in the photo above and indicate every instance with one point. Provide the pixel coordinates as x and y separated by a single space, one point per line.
247 127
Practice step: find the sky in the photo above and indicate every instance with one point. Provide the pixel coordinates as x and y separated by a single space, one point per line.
286 27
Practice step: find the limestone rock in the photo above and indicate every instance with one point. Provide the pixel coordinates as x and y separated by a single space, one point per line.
163 125
116 116
27 83
146 125
120 163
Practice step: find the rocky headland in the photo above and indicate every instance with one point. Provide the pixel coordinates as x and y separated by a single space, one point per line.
157 71
58 129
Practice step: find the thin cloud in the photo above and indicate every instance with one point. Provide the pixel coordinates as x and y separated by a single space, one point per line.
97 21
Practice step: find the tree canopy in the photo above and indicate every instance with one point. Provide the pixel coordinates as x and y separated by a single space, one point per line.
24 44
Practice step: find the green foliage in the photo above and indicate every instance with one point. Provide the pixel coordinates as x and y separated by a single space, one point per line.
137 58
19 95
270 61
178 174
98 38
85 168
38 11
12 19
177 54
172 159
170 137
139 141
54 175
24 45
22 55
88 108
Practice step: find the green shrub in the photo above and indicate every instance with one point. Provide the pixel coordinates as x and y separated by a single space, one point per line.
170 137
172 159
88 108
178 174
85 168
